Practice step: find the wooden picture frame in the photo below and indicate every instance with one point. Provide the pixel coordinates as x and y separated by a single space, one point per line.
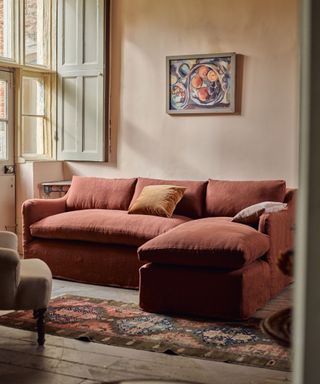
201 84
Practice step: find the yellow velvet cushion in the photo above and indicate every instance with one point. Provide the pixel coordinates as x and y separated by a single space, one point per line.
157 200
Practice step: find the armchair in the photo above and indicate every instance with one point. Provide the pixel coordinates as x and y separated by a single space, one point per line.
24 284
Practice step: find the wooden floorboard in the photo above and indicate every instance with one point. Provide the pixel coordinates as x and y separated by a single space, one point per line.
71 361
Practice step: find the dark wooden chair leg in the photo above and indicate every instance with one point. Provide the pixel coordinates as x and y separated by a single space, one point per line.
41 325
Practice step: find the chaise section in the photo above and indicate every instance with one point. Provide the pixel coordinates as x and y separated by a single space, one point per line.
204 291
213 242
104 226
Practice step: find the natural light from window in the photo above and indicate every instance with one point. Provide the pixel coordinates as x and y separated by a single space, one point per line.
3 119
6 25
33 115
36 32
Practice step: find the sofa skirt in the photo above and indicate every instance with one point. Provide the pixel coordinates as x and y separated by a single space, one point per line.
204 291
86 262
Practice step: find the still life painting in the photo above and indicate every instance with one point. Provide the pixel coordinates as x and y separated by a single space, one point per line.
201 83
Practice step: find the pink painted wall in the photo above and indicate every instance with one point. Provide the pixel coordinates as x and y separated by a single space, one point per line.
260 143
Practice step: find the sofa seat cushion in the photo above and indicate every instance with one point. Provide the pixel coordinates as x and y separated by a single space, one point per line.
210 242
104 226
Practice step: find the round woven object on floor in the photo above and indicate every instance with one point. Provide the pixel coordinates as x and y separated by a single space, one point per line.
278 326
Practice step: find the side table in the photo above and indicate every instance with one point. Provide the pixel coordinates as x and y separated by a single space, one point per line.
57 188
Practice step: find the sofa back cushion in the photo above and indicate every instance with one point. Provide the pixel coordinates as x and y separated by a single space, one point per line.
99 193
227 198
192 203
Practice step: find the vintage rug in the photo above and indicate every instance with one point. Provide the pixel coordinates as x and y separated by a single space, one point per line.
121 324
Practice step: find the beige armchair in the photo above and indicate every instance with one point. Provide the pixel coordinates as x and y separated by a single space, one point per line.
24 284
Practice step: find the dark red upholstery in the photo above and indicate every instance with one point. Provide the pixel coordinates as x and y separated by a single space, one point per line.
88 262
99 193
104 226
191 204
211 242
206 267
227 198
204 291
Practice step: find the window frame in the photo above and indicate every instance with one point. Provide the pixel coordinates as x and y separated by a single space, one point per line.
47 130
8 61
22 37
20 68
50 72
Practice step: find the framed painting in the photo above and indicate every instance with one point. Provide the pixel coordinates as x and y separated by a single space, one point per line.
201 83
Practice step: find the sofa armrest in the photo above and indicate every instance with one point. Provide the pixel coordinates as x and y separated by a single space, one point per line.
8 240
34 210
279 226
9 276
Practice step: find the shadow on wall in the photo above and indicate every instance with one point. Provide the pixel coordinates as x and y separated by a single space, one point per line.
239 83
115 84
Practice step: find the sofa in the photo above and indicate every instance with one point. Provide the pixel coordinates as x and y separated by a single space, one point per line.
197 262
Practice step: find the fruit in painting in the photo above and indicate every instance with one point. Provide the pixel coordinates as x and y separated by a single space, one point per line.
196 81
202 71
212 76
203 94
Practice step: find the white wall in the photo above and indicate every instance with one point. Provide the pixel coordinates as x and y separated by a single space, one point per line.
261 142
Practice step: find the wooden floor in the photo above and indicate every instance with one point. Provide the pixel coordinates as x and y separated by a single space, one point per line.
67 361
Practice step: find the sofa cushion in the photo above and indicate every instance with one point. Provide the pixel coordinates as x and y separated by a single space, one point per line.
191 204
101 193
104 226
210 242
227 198
251 215
157 200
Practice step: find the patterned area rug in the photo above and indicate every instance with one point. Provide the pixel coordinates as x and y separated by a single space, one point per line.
125 325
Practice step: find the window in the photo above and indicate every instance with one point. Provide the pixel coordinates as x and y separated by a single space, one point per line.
6 29
3 119
35 121
58 110
36 30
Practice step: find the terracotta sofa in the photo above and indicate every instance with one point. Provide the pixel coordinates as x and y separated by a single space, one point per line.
197 262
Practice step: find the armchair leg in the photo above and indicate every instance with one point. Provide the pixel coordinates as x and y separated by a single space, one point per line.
39 315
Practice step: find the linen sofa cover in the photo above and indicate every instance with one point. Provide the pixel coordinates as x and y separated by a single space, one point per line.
234 294
192 203
88 262
227 198
99 193
194 289
104 226
210 242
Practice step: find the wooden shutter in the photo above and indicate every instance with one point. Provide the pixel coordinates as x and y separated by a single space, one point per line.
81 128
